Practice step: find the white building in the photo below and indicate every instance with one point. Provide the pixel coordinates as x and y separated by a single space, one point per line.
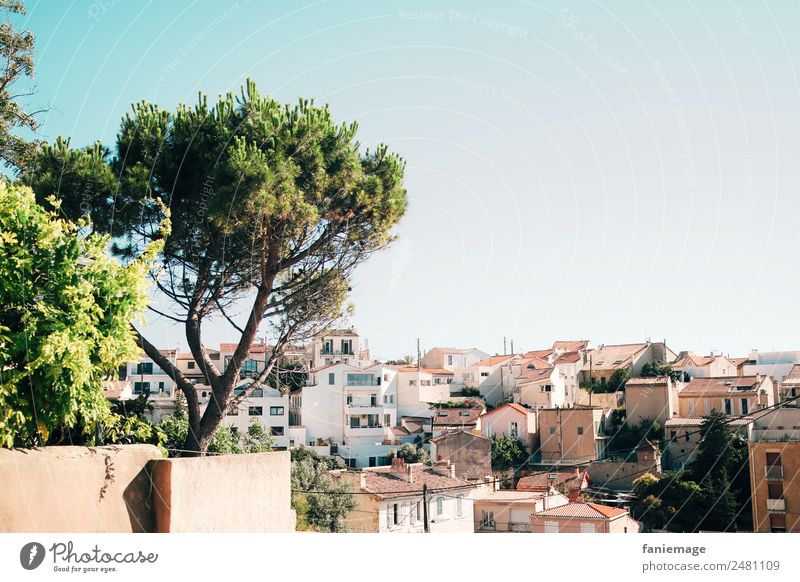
452 358
489 376
774 364
268 406
146 377
338 345
418 388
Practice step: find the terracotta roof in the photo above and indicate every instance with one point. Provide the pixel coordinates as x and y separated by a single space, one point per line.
720 386
794 374
512 496
254 349
439 371
337 333
534 375
640 381
451 433
383 483
113 389
583 511
692 360
568 358
569 478
738 361
570 345
538 353
494 360
514 405
454 416
453 350
617 356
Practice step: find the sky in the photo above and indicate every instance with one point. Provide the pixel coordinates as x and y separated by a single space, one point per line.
615 171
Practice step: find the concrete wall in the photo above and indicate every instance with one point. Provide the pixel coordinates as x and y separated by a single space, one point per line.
601 399
133 488
620 475
226 493
652 401
76 489
471 454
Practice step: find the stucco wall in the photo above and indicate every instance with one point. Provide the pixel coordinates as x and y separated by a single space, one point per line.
227 493
471 454
76 489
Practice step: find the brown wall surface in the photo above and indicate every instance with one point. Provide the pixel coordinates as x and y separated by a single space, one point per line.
471 454
787 476
226 493
76 489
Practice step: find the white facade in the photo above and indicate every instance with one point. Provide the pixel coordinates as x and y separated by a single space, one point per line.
338 346
267 406
774 364
452 358
147 378
489 376
418 389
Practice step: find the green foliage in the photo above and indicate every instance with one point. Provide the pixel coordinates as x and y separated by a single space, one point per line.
658 368
617 380
328 502
16 48
410 454
226 441
64 326
625 437
467 391
671 502
507 453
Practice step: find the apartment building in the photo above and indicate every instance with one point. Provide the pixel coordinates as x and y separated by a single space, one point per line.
735 396
775 483
653 398
511 419
489 376
511 511
338 346
146 377
419 388
606 359
774 364
710 366
452 359
572 435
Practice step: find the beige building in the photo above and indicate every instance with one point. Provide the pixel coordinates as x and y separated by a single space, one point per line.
510 511
570 482
651 398
682 435
452 358
735 396
789 388
470 453
572 435
511 419
775 485
583 518
710 366
604 360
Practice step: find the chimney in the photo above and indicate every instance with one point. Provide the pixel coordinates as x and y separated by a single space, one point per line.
410 473
452 471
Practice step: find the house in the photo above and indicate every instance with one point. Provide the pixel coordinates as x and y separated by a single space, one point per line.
704 366
418 388
561 347
471 454
265 405
738 395
739 363
510 511
488 376
452 358
348 412
789 387
338 346
391 499
774 364
606 359
146 377
570 482
511 419
682 435
618 474
775 483
447 418
118 390
570 366
539 387
583 518
572 435
653 398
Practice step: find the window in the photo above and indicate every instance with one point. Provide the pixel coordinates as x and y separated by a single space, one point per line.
552 430
440 506
745 403
449 360
546 388
160 386
373 400
355 422
587 528
464 413
331 378
580 430
144 368
387 420
414 517
276 410
487 519
728 406
276 431
672 435
551 527
777 523
233 412
484 374
349 400
255 411
688 437
141 387
327 346
513 429
774 460
213 356
347 347
460 505
775 490
191 364
250 368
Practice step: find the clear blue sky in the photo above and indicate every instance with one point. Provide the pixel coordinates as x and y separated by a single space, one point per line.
609 171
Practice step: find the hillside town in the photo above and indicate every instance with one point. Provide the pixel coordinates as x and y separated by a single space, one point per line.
419 441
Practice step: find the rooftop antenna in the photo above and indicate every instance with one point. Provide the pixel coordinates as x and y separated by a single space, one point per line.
504 345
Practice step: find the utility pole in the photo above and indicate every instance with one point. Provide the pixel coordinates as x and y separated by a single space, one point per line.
504 345
418 356
512 347
427 527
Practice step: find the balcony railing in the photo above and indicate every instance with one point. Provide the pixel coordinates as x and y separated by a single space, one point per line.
337 353
774 473
519 526
776 505
775 435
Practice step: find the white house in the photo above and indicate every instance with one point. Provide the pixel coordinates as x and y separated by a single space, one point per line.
774 364
490 376
539 387
266 405
418 388
338 345
452 358
146 377
710 366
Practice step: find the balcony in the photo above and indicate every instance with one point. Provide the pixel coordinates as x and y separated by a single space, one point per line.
337 353
356 409
774 473
365 431
778 505
521 526
362 380
775 435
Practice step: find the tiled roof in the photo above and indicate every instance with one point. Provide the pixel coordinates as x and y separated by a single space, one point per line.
720 386
254 349
794 374
439 371
570 345
583 511
567 477
738 361
493 360
511 496
692 360
613 357
454 416
451 433
337 333
113 389
384 484
538 353
513 405
568 358
534 375
655 380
